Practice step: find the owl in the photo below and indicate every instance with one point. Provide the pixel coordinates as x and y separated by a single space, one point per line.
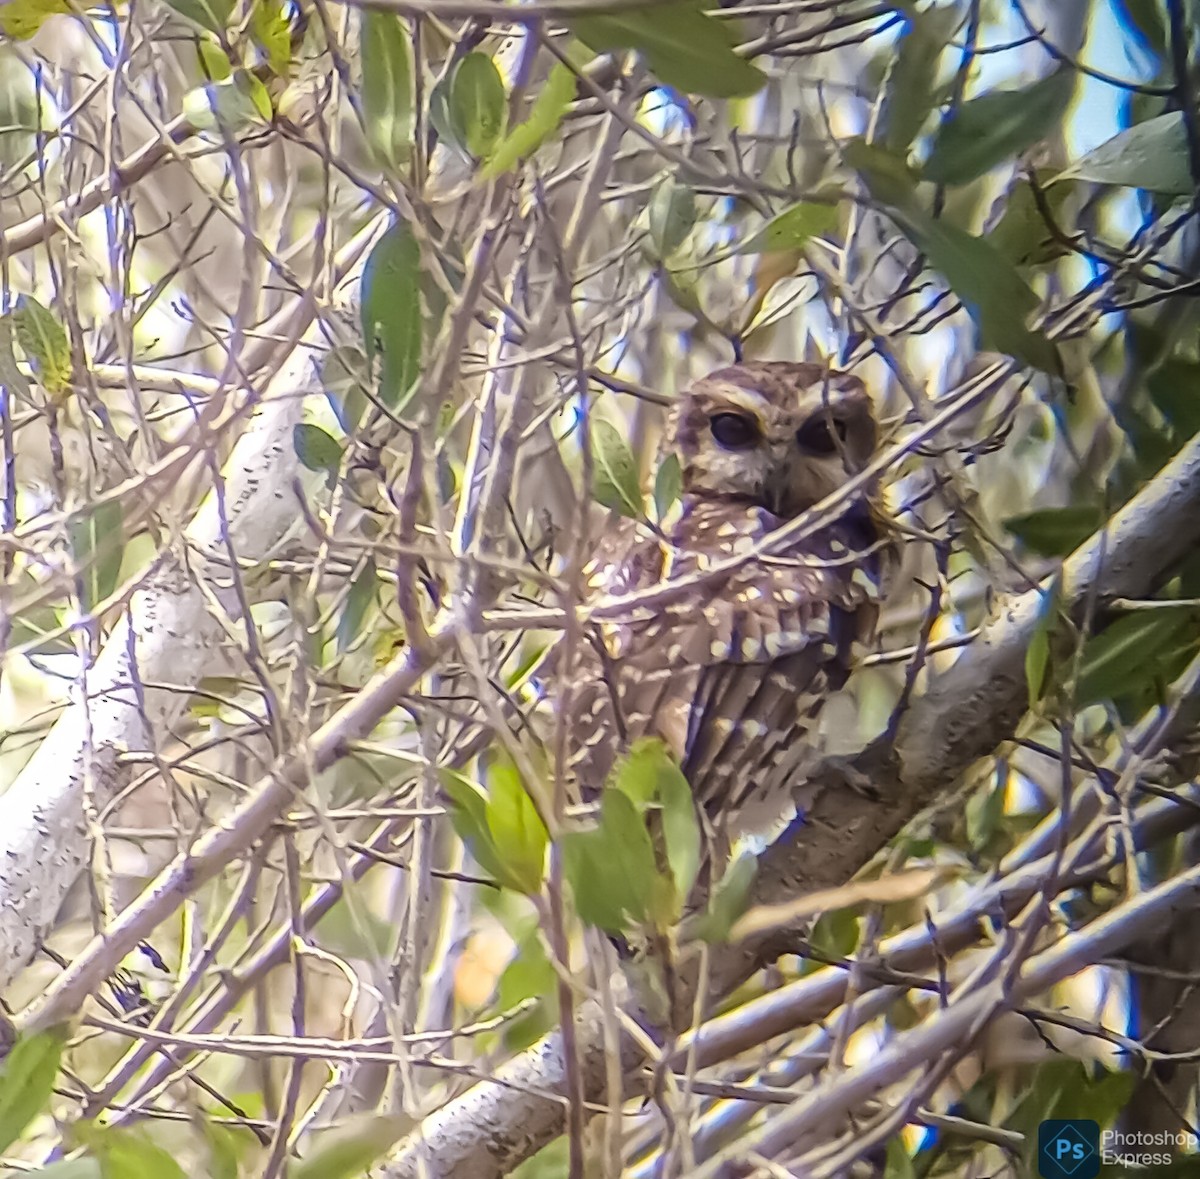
731 673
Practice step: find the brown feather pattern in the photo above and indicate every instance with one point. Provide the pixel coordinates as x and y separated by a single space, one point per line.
733 672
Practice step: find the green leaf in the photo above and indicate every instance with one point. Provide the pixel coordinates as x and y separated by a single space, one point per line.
1060 1087
44 341
345 374
993 127
317 449
1022 235
729 900
648 775
615 481
544 117
128 1154
1124 658
10 373
21 19
911 92
214 61
611 869
836 934
387 87
995 296
898 1165
97 545
792 228
352 930
210 15
636 773
516 828
1037 654
1174 387
391 313
668 485
349 1150
225 1148
1152 156
985 812
681 828
26 1081
271 32
672 214
230 104
682 45
887 177
358 601
478 104
469 817
529 975
1055 532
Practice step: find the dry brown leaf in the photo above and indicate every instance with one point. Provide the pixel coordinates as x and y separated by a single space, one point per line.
900 886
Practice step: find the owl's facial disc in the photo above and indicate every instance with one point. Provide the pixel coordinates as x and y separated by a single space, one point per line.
780 435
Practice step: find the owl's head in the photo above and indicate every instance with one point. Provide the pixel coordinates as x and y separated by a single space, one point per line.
776 434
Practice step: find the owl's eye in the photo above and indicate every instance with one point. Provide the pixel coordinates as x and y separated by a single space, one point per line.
734 431
816 437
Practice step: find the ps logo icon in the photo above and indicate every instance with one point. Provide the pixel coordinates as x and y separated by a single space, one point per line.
1069 1149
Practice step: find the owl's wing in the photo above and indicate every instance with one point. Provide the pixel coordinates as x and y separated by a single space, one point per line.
731 674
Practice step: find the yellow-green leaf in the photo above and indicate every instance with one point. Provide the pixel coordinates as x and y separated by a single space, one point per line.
229 105
1037 654
390 308
516 828
668 483
611 869
387 86
478 104
729 899
544 117
26 1081
317 449
469 818
21 19
97 545
44 341
672 214
792 228
272 33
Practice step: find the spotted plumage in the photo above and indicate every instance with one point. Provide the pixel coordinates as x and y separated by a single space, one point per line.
731 673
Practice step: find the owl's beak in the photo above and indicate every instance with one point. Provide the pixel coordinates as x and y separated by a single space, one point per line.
779 494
